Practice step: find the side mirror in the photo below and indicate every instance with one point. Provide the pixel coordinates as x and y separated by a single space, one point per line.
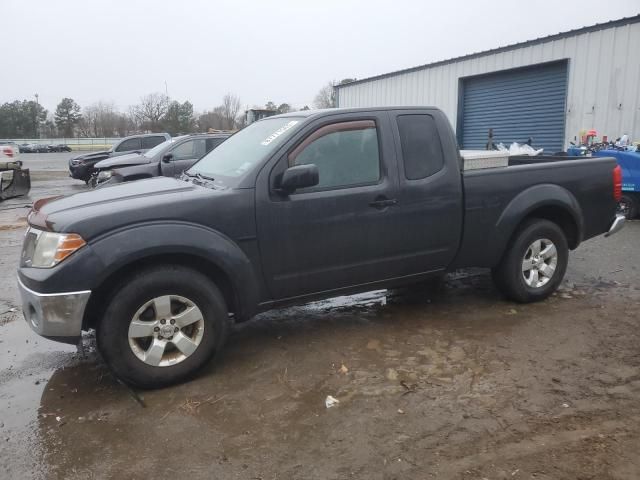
299 176
167 158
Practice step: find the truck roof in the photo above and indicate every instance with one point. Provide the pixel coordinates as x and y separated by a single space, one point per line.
329 111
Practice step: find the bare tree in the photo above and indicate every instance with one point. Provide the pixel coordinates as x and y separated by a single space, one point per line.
100 119
150 110
325 98
125 125
231 107
213 119
86 123
132 117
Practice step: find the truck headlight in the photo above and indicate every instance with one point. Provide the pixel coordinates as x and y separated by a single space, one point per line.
105 175
46 249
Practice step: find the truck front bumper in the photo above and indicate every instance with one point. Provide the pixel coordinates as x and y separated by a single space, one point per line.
57 316
616 225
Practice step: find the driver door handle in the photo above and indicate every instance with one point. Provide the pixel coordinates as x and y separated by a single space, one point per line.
383 202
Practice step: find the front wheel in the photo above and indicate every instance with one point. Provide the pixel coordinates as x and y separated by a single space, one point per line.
162 325
535 263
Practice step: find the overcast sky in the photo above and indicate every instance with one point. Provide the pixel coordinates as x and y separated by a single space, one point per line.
282 51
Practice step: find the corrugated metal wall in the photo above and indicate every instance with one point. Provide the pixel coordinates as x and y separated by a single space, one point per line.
516 104
603 91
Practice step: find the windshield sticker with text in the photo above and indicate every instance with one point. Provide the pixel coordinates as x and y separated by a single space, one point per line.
278 132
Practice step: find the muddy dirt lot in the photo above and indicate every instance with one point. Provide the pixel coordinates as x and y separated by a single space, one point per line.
453 384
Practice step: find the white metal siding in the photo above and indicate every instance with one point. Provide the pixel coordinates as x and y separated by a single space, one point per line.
603 85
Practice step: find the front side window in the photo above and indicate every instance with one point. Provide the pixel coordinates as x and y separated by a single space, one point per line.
189 150
128 145
345 153
158 148
421 149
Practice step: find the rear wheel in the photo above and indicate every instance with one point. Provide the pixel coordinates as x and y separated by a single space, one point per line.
162 325
535 263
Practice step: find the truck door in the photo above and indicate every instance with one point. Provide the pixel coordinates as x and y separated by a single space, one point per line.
429 213
336 233
183 156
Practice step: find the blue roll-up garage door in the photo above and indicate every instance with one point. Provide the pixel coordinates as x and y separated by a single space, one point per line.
516 104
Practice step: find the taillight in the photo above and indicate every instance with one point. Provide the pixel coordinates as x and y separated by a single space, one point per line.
617 183
8 152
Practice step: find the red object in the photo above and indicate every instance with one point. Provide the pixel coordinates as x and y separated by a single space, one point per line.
8 151
36 217
605 138
617 183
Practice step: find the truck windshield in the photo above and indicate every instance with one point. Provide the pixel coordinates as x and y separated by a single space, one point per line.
237 155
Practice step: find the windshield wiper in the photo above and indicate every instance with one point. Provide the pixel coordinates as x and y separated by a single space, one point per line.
199 176
204 177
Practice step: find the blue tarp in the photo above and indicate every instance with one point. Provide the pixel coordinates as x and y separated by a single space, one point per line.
630 164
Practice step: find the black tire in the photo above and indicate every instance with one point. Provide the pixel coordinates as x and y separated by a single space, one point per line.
113 329
628 207
508 275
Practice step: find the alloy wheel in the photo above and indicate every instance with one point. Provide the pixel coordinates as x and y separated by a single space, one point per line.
166 330
539 263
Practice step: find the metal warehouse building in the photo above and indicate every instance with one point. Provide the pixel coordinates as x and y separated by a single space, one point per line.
550 89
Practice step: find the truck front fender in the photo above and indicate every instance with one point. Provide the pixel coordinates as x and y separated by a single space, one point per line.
162 240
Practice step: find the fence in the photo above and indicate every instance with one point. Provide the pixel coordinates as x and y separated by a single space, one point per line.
77 143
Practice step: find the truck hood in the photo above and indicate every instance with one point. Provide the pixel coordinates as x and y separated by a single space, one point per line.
122 160
99 211
92 155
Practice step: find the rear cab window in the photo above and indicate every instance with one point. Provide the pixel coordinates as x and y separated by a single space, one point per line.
130 144
422 154
346 154
150 142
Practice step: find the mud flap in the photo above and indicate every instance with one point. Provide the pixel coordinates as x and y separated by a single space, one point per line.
14 181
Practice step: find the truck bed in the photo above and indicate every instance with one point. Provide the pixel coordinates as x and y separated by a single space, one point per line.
492 201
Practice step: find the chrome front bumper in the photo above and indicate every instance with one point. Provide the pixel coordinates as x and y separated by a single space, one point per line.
54 314
616 225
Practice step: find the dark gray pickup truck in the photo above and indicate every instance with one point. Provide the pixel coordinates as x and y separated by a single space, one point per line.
293 208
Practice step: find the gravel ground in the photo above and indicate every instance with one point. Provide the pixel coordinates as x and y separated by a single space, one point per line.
452 384
48 161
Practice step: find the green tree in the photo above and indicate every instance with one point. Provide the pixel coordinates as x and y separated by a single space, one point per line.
179 118
21 119
284 108
67 116
270 106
